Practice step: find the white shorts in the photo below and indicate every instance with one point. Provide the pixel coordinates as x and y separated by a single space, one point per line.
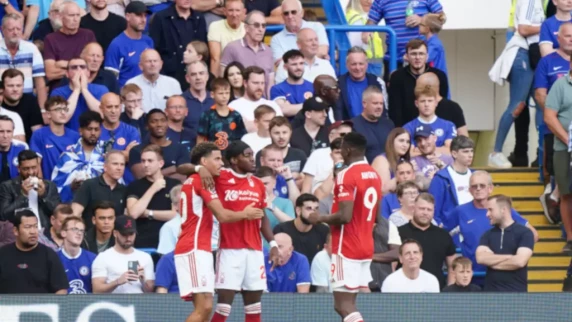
240 269
195 273
349 275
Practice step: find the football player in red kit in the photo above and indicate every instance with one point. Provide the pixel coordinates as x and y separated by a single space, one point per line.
193 257
357 194
240 260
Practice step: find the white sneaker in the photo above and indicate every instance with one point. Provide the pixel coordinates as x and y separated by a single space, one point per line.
499 161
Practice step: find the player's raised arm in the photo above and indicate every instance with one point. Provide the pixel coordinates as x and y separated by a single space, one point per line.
227 216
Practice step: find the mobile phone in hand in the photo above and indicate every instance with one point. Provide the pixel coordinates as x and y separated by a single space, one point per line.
132 266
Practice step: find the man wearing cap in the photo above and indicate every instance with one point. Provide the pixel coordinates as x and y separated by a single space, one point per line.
113 270
313 135
430 160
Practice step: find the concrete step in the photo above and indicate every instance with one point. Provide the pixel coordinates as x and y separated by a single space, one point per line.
545 287
555 260
519 190
527 204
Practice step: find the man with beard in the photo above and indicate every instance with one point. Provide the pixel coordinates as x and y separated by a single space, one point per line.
28 266
113 271
326 88
313 135
104 24
430 160
46 26
99 238
294 90
197 96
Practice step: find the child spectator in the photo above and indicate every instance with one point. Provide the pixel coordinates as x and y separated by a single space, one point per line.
463 271
196 51
430 26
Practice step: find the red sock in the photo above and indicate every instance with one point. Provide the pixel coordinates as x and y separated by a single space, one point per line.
222 311
253 312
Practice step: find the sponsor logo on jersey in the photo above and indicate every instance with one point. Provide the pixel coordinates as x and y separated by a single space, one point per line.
121 141
234 195
439 132
292 276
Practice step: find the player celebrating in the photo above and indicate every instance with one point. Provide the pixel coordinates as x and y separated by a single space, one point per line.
193 257
356 203
240 261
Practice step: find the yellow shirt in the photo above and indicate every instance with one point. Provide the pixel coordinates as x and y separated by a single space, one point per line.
221 32
512 9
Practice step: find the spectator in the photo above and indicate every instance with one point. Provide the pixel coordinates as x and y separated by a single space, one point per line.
307 239
325 87
430 160
81 161
278 209
285 187
106 187
39 11
169 233
294 90
166 277
270 8
104 24
197 97
324 190
397 148
313 135
155 87
76 261
18 131
107 276
410 278
169 42
307 41
371 123
44 274
65 43
263 115
80 94
16 53
117 7
354 83
506 256
176 112
292 275
37 29
356 15
222 32
50 141
54 233
463 271
310 15
390 203
99 237
450 186
386 242
547 38
285 40
406 193
233 74
6 233
320 268
403 82
9 149
134 114
197 51
431 24
124 55
27 190
148 198
253 92
220 124
26 105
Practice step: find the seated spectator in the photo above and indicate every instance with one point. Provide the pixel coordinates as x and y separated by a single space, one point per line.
169 233
263 115
354 83
197 51
76 261
326 88
429 27
548 41
41 23
410 278
463 272
176 111
92 53
81 161
27 190
285 40
270 8
80 94
313 135
278 209
17 132
222 32
307 41
54 233
407 193
111 270
285 187
220 124
324 191
294 90
45 273
198 98
6 233
371 123
106 187
386 242
292 275
134 114
155 87
9 149
166 276
307 239
253 91
397 148
233 74
356 15
117 7
320 268
104 24
99 237
429 160
390 203
148 198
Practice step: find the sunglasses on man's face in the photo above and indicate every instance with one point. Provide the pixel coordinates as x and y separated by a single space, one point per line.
258 25
291 12
76 67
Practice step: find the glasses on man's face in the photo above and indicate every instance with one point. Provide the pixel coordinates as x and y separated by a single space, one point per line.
258 25
76 67
478 186
333 88
411 193
291 12
76 230
60 110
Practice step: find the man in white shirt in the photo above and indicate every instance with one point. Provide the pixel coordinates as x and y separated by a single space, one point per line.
169 233
261 138
410 278
320 268
112 270
156 88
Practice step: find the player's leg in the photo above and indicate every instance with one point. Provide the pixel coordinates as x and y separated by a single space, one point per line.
253 286
344 304
348 277
196 283
252 306
231 265
203 307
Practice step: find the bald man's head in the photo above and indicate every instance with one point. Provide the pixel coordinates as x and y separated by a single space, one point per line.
110 106
285 247
150 63
326 87
428 79
308 42
92 53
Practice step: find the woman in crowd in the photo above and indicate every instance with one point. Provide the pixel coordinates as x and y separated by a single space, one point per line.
430 26
233 74
406 192
397 148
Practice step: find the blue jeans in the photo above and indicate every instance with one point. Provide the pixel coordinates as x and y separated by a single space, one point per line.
520 78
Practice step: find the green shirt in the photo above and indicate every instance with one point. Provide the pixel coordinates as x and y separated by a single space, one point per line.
560 100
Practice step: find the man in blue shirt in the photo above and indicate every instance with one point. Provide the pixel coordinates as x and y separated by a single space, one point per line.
9 149
166 275
549 29
177 111
292 275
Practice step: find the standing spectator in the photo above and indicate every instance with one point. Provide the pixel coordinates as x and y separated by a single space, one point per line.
155 87
357 15
76 261
111 270
431 24
278 210
386 242
134 114
547 38
18 132
325 87
263 114
292 274
198 98
28 266
505 249
294 90
176 111
390 203
54 233
123 56
320 268
463 271
233 74
104 24
222 32
270 8
429 161
397 148
6 233
313 135
99 238
406 192
39 11
37 29
197 51
166 276
9 149
285 187
169 233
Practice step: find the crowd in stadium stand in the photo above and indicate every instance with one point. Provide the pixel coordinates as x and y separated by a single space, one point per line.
103 101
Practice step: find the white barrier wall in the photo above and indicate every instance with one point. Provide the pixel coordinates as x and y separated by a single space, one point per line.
476 14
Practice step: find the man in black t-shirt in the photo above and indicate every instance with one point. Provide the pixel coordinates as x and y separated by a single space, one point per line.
28 266
313 134
104 24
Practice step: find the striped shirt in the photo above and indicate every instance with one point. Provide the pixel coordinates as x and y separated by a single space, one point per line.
393 11
28 60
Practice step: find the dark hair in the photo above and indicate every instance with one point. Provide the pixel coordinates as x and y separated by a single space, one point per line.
290 54
19 214
233 64
62 208
75 58
7 118
415 43
462 142
202 150
336 144
405 185
153 148
279 121
390 155
356 141
53 101
26 155
252 70
264 171
235 149
11 73
503 200
154 111
425 196
103 205
87 117
305 197
219 83
410 241
310 15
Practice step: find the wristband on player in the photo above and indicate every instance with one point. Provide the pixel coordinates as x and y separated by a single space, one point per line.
289 179
273 243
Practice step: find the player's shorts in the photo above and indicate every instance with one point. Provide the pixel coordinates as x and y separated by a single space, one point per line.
349 275
240 269
195 273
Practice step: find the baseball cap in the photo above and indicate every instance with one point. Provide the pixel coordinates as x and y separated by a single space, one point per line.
340 123
136 7
125 225
314 104
423 130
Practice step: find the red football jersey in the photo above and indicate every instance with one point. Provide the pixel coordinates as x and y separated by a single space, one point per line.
362 185
237 192
196 217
